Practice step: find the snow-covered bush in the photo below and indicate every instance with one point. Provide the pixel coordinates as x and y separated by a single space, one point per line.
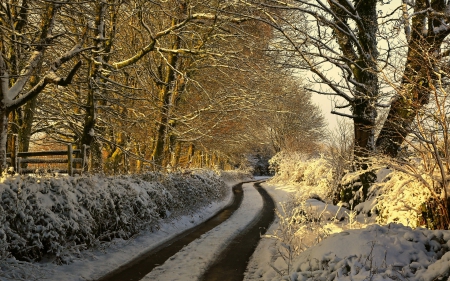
302 223
3 242
400 200
315 174
391 252
286 167
47 215
399 195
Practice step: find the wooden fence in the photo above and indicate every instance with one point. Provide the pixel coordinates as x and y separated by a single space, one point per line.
19 160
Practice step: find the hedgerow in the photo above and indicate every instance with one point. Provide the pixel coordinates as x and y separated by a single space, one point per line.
52 216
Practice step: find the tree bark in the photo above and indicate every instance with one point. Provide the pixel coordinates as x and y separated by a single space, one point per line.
424 53
3 136
165 101
89 128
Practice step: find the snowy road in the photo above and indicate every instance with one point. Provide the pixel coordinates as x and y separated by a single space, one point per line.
232 262
188 264
191 262
138 268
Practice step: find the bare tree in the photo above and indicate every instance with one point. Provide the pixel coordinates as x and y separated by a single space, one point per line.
293 123
339 36
22 73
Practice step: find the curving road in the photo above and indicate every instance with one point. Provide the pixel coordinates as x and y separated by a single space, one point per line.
230 263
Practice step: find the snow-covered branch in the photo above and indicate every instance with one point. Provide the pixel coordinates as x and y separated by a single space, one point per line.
49 78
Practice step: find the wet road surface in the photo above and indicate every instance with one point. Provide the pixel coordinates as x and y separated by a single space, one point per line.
138 268
233 260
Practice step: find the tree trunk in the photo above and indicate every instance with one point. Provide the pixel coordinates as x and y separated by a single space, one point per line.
113 162
418 77
417 82
3 136
190 155
165 98
176 155
26 127
88 136
89 133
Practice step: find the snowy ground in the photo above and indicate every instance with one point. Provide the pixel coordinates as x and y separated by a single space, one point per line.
368 252
355 249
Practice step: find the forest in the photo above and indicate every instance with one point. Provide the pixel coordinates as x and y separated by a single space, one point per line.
175 86
148 85
167 85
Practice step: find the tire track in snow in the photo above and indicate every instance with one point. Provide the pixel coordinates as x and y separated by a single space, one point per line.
192 261
233 260
138 268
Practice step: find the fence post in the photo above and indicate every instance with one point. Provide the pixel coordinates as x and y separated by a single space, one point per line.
70 159
19 168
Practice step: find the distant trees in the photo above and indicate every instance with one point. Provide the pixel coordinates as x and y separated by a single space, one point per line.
293 122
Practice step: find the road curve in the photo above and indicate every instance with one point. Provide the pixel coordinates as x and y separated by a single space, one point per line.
138 268
233 260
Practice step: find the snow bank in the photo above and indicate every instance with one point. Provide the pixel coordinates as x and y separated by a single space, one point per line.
391 252
306 244
58 217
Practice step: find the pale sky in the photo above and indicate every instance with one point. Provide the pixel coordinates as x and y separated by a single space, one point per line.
325 104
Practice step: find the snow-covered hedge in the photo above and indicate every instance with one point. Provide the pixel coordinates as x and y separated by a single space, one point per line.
234 176
47 215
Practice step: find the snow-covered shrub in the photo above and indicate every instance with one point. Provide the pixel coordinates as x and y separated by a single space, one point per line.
302 223
3 242
315 174
398 195
287 167
40 215
392 252
400 200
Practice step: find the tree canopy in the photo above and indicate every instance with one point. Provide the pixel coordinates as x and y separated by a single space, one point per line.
148 84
